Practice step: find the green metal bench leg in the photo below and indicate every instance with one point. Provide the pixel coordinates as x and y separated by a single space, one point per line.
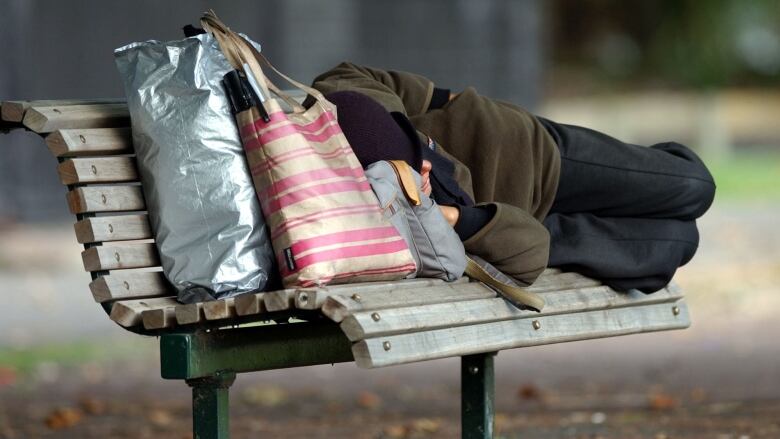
210 411
477 380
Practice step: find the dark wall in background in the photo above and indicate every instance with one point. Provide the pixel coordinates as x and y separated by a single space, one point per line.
58 50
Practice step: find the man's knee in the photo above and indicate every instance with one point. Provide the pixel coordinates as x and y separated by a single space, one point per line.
700 189
699 186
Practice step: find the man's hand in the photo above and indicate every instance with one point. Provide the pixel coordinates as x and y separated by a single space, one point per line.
450 213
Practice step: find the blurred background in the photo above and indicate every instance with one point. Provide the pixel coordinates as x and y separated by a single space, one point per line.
706 74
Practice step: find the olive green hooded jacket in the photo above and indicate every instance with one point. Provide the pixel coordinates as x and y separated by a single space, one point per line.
502 155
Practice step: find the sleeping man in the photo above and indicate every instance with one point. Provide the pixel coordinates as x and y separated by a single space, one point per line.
524 192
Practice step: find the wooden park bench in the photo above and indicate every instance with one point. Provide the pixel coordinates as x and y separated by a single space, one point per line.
372 324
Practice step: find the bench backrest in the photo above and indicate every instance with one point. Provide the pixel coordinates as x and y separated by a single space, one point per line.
92 142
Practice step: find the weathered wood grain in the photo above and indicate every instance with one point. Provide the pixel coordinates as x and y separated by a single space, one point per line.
337 307
90 142
219 309
314 298
189 313
13 111
490 337
97 170
112 257
113 228
130 285
279 300
48 118
159 318
127 313
442 315
249 304
106 199
561 281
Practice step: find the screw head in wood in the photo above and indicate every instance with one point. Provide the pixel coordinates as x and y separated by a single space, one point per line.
676 310
536 324
126 284
303 298
110 228
103 198
116 256
386 345
356 297
375 317
82 138
473 370
94 169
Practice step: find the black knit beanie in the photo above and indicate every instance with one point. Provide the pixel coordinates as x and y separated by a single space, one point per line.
374 133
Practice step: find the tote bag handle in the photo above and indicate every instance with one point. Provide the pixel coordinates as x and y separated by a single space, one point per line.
238 52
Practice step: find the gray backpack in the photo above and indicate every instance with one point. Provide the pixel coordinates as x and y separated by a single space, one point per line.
436 248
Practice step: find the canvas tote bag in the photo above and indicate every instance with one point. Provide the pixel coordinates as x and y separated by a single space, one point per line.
325 222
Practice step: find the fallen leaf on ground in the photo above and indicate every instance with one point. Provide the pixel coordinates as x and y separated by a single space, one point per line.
662 401
529 392
396 431
369 400
63 418
159 417
265 396
426 425
92 406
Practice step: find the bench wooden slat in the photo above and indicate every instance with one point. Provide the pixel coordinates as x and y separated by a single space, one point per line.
367 324
159 318
561 281
48 118
113 228
112 257
279 300
106 199
249 304
219 309
132 285
314 298
189 313
90 142
127 313
97 170
490 337
337 307
13 111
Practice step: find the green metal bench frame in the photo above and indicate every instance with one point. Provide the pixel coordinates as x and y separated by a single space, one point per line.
209 360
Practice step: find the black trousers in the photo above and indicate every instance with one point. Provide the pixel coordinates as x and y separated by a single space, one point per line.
623 213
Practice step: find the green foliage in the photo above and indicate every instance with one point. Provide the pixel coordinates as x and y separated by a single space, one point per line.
683 43
748 177
72 353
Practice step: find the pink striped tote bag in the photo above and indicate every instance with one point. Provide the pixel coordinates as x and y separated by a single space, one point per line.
325 222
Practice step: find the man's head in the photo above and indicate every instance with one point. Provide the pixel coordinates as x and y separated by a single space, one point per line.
374 133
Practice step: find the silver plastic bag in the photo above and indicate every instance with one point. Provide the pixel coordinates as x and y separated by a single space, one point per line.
202 206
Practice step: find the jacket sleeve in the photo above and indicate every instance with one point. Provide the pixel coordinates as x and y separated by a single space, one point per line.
514 242
405 92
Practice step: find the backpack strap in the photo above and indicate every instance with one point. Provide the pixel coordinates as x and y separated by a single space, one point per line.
404 173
